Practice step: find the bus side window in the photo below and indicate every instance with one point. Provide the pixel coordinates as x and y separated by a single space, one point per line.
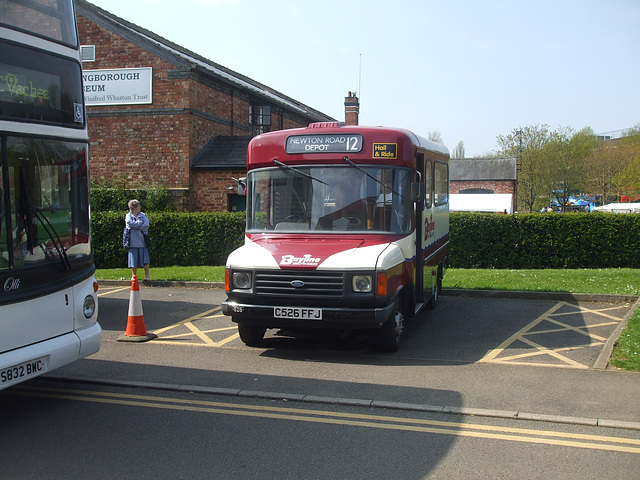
441 183
428 183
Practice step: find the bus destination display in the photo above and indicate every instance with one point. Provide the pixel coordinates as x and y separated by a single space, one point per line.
327 143
21 85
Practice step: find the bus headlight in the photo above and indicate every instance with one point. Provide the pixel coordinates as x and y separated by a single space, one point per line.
242 280
89 306
362 283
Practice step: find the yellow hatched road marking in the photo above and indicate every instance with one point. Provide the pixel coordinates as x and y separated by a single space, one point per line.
188 334
199 333
600 312
206 341
115 290
190 319
202 334
577 329
553 352
534 436
537 352
193 330
580 330
525 335
489 357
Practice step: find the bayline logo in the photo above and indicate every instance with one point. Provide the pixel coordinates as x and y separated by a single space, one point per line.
429 227
306 259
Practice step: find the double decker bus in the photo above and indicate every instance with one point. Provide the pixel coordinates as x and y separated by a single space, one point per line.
48 299
347 229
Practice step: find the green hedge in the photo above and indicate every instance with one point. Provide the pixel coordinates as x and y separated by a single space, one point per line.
520 241
186 239
105 197
526 241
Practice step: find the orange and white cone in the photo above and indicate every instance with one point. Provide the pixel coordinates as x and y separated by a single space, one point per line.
136 331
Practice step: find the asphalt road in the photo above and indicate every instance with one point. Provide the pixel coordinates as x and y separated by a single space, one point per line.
483 387
538 354
67 430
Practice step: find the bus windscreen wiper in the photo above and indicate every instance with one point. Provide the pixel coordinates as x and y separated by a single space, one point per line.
384 187
53 235
26 210
306 175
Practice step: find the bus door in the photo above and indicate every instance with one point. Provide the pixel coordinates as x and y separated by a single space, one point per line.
419 235
426 223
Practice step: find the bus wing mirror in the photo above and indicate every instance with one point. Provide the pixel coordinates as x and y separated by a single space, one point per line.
242 185
417 191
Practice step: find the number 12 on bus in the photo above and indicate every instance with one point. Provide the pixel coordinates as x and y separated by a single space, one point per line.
347 229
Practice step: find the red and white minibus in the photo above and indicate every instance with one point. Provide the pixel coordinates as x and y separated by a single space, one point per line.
347 229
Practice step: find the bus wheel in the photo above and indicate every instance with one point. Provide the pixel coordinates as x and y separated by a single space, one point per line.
388 338
251 335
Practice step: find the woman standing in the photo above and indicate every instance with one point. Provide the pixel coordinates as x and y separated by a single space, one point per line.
138 223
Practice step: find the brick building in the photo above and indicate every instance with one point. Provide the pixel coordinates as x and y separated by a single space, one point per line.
479 176
159 113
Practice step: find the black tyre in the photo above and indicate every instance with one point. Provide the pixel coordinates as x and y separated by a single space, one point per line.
388 338
251 335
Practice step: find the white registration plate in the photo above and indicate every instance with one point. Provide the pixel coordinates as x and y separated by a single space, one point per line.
299 313
23 371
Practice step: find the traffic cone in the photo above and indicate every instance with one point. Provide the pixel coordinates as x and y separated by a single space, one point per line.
136 331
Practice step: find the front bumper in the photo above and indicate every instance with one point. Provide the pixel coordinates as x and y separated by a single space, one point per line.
338 318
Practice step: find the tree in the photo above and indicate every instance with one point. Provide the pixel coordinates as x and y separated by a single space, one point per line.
527 144
458 152
628 181
567 168
605 167
435 137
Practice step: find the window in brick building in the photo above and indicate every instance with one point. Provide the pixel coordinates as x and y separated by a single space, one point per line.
259 119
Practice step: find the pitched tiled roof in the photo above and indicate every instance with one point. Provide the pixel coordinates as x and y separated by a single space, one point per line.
469 169
222 152
184 58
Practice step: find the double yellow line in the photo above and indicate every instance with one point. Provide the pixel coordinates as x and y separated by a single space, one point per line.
544 437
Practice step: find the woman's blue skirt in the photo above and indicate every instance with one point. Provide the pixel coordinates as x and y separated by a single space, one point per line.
138 257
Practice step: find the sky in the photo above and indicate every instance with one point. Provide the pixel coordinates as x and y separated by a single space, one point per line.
469 70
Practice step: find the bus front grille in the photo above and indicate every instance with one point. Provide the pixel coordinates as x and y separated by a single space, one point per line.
299 284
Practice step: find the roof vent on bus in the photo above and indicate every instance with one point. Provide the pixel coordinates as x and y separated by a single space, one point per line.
326 124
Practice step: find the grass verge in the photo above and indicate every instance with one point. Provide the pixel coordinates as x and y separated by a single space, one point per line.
179 274
612 281
616 281
626 354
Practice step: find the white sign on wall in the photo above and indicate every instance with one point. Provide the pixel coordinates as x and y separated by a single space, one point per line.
117 86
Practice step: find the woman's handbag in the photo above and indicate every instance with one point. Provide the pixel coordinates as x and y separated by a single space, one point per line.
147 240
126 238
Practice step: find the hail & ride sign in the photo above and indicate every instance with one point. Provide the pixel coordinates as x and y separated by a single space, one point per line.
385 150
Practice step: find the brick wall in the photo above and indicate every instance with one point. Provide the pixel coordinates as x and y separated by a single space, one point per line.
351 109
498 186
140 150
154 143
209 189
138 143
